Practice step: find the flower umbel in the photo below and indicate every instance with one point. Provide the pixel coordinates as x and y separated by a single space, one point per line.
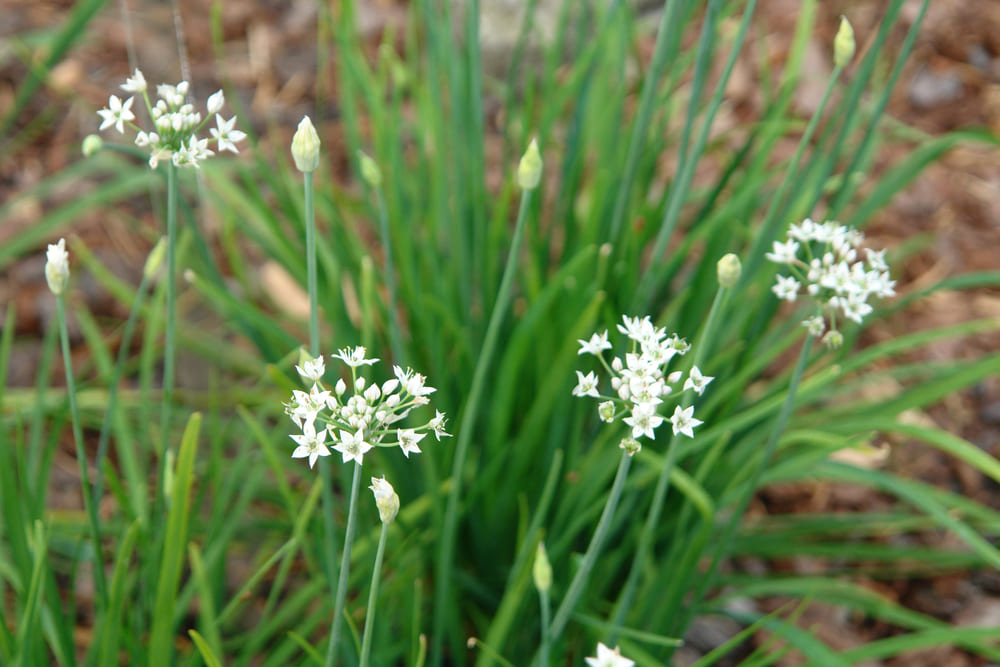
640 381
825 258
359 420
176 124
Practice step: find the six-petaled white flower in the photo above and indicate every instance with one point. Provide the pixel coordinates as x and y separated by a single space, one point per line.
117 114
311 444
353 446
354 357
607 657
697 381
597 343
408 439
587 385
684 421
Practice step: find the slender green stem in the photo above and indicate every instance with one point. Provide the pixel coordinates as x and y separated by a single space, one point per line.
390 278
751 485
314 350
582 575
345 567
446 553
366 641
663 483
546 608
81 456
311 265
171 316
765 235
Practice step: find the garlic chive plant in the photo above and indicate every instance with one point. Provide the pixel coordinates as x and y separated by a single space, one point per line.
640 385
57 276
173 137
357 417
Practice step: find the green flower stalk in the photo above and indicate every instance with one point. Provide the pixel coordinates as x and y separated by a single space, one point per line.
529 175
388 506
358 421
57 275
542 574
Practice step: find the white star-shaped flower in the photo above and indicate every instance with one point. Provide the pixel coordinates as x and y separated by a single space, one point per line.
311 444
312 369
408 439
135 83
116 114
684 421
697 381
643 420
786 288
595 345
353 446
607 657
354 357
226 134
586 385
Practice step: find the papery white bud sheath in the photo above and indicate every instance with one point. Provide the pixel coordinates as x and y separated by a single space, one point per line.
529 170
370 172
57 266
728 269
385 499
305 147
215 102
843 43
542 570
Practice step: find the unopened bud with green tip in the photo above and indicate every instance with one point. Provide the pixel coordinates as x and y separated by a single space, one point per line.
91 144
305 147
385 499
155 259
728 270
370 172
542 570
843 43
529 171
57 267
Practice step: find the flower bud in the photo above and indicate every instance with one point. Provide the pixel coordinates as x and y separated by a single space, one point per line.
542 570
728 270
370 172
91 144
843 43
529 171
155 258
833 339
57 266
385 499
305 147
215 102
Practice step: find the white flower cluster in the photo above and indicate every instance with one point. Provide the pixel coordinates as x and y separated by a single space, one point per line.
357 422
832 273
640 381
176 123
